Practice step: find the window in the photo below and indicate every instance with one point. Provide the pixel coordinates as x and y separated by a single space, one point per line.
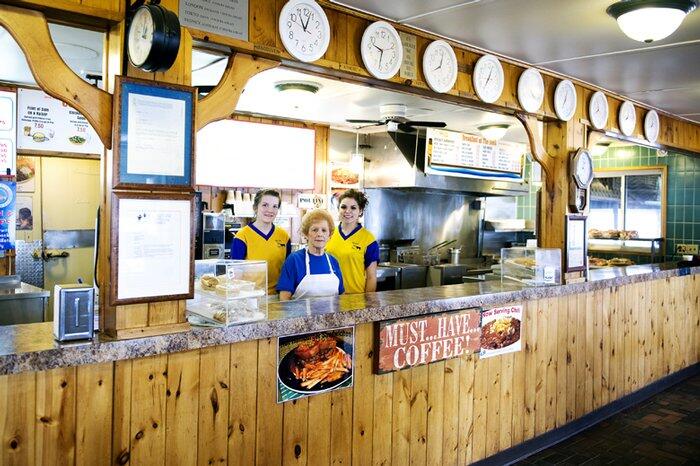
629 200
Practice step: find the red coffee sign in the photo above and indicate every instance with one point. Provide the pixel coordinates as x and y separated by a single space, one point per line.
415 341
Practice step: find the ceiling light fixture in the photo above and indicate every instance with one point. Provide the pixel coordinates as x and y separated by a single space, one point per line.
600 149
298 88
494 132
650 20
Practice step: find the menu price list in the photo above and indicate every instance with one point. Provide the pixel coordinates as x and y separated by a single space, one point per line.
465 150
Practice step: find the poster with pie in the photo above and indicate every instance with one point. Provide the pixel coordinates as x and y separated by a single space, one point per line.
345 175
26 174
501 330
47 124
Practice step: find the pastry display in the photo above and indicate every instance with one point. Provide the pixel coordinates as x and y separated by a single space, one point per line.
612 234
597 262
620 262
208 282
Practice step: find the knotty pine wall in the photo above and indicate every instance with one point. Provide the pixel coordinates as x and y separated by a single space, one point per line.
217 405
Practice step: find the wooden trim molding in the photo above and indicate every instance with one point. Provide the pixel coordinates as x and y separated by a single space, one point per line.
31 31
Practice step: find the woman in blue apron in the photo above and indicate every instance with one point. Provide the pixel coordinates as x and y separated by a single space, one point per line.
311 272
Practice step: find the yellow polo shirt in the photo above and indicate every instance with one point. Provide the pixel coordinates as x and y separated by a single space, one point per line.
355 252
251 244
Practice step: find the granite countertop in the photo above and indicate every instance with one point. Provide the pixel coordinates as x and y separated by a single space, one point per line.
31 347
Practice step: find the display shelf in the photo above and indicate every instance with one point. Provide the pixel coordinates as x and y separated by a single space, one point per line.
641 246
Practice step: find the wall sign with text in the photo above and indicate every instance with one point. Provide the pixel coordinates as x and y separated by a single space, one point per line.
501 330
415 341
7 132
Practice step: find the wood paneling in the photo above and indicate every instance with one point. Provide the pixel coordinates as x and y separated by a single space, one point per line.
217 405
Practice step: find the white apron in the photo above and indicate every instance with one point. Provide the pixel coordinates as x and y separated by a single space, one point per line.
322 284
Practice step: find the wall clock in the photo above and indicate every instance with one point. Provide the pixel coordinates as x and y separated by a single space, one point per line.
581 171
381 50
651 126
488 78
153 39
530 90
304 29
598 110
627 118
565 100
440 66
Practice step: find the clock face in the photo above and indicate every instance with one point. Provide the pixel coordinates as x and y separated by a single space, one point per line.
651 126
565 100
530 90
140 38
381 50
598 110
627 118
583 169
304 29
488 78
440 66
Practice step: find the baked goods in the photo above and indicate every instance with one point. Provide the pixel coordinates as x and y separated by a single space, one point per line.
208 282
620 262
597 262
629 234
596 234
525 261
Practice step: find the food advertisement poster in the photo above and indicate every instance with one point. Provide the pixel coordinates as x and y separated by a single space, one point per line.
26 174
501 329
47 124
345 175
25 213
7 214
311 363
7 132
415 341
453 153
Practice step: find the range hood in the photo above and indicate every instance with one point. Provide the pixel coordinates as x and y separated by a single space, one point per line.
396 159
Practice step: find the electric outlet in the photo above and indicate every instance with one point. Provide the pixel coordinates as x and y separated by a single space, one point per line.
687 249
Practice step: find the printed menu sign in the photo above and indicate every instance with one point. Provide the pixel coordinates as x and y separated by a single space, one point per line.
311 363
500 330
465 155
47 124
7 132
415 341
224 17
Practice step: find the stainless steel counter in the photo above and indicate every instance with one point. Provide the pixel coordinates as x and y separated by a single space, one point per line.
21 303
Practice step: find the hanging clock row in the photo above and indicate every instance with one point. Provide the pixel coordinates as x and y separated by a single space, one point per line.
305 34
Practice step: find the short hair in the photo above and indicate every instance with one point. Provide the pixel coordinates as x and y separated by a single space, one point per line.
265 192
314 216
358 196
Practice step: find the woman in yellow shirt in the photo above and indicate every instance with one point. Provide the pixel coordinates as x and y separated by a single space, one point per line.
354 246
261 240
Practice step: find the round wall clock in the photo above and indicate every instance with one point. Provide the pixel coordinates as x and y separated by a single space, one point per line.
304 30
488 78
153 39
627 118
581 169
565 100
381 50
598 110
440 66
651 126
530 90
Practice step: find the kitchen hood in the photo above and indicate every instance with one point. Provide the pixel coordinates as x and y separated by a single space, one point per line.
396 159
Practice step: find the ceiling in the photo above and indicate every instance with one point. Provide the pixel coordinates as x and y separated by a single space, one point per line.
572 37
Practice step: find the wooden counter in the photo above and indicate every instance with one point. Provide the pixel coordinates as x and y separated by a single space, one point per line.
216 404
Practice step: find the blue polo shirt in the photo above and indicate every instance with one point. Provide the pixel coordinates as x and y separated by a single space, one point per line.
294 270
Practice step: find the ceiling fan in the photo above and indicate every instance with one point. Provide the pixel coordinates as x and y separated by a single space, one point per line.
394 115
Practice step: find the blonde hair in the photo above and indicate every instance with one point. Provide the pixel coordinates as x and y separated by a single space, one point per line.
314 216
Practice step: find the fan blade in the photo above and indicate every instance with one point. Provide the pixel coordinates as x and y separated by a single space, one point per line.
362 122
406 128
427 124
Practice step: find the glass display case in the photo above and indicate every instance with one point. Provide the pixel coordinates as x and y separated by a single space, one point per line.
228 292
531 266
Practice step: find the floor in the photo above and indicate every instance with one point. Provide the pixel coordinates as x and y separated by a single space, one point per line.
664 429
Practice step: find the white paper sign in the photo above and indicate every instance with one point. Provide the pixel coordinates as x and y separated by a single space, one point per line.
575 243
501 330
154 248
156 128
224 17
47 124
311 201
7 132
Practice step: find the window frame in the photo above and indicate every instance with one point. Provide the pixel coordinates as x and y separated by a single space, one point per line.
623 172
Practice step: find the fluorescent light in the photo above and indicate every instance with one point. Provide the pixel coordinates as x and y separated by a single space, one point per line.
494 132
600 149
650 20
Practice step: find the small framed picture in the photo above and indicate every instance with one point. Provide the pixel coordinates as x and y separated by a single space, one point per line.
576 243
153 135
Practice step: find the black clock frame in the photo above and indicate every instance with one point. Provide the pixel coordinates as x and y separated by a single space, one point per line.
166 38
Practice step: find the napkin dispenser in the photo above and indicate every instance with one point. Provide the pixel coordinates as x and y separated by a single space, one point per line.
73 312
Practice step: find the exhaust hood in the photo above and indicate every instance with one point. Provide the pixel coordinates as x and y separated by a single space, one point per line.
396 159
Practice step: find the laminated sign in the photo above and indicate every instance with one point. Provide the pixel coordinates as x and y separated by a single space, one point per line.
501 329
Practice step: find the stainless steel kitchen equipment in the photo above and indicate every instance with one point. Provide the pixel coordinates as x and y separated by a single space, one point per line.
73 312
213 235
21 303
401 276
454 255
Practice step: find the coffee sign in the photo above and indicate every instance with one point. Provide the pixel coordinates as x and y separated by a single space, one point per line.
415 341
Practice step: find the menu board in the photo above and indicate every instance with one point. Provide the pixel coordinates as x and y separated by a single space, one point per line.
7 132
227 18
465 155
47 124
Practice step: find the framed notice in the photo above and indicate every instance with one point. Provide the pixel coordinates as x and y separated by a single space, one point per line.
311 363
501 330
416 341
152 247
576 241
154 134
